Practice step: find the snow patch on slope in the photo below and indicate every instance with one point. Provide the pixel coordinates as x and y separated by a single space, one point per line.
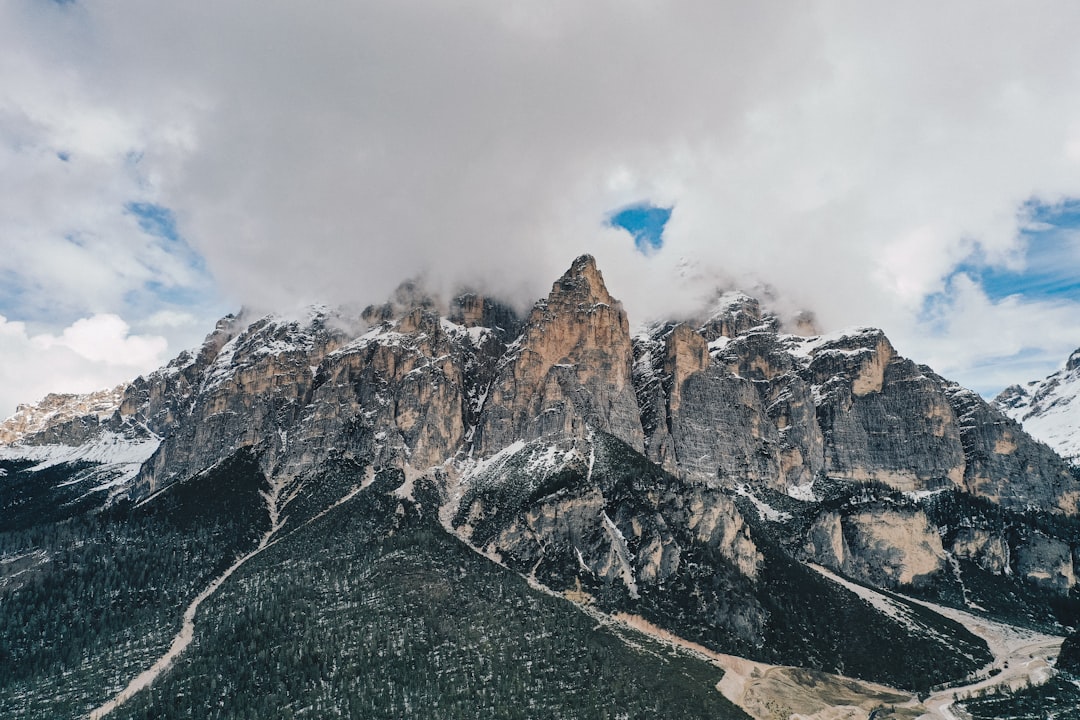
1049 409
118 458
766 511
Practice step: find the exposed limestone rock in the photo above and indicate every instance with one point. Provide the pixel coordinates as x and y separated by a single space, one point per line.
570 371
717 402
781 411
733 313
253 390
988 549
885 547
893 547
825 541
715 521
1046 561
594 513
883 418
61 418
471 310
1005 464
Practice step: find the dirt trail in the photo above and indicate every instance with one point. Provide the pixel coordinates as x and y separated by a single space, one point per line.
1020 656
187 630
768 691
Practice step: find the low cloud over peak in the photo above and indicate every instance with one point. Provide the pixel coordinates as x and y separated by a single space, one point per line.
853 156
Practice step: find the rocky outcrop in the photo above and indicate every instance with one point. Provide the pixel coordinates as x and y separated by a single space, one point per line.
985 546
781 411
246 394
593 514
881 546
1005 464
570 371
1046 561
62 419
505 416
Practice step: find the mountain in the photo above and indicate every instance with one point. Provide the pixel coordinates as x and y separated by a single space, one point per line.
445 509
1049 409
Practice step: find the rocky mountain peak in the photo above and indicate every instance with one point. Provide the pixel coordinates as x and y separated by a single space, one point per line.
409 296
57 409
582 284
473 309
571 370
1049 409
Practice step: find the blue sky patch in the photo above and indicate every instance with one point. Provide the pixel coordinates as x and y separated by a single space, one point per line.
645 223
170 294
1051 268
64 156
154 219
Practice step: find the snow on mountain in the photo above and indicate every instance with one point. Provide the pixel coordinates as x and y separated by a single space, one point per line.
1049 409
116 458
56 409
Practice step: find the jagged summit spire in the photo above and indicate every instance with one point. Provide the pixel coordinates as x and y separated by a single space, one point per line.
581 283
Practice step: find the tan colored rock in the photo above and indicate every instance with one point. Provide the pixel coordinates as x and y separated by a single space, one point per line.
881 546
989 550
871 375
57 409
892 547
716 521
1046 561
685 353
825 541
571 370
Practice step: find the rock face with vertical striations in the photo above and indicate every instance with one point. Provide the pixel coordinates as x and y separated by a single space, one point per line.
569 371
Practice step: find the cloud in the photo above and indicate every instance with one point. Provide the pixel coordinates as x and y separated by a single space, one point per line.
995 342
850 154
90 354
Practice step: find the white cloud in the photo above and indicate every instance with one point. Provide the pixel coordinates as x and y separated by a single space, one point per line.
171 319
992 342
92 353
849 153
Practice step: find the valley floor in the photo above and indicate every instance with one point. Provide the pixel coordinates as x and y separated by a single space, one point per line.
1021 657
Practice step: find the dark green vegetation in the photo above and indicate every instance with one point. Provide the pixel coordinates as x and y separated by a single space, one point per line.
1007 598
1058 699
99 596
29 498
1069 657
373 611
370 610
789 614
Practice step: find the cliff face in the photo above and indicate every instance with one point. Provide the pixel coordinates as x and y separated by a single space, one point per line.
880 546
781 410
506 418
61 417
568 372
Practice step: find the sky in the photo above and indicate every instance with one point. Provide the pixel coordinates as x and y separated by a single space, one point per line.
910 166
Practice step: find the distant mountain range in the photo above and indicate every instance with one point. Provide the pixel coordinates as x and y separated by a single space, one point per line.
1049 409
443 509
